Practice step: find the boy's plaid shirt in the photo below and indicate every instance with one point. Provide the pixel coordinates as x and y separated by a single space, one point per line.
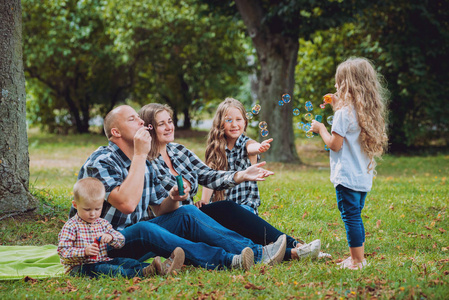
77 234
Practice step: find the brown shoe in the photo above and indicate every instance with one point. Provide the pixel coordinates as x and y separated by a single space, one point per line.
154 268
174 262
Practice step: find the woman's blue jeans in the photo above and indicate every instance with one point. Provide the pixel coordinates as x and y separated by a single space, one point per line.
350 203
119 266
238 219
205 242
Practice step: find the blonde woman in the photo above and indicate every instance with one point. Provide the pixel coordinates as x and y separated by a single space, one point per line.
358 137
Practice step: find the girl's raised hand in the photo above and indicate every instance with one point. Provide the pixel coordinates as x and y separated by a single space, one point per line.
265 145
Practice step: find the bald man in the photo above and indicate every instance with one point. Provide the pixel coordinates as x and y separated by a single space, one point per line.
132 187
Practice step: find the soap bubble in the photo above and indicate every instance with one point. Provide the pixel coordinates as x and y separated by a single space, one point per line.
263 125
296 112
256 109
264 132
249 115
281 103
330 120
309 134
308 106
308 117
326 147
300 125
322 105
286 98
307 127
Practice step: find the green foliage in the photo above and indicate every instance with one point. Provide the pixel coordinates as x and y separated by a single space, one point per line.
186 55
413 54
406 223
70 63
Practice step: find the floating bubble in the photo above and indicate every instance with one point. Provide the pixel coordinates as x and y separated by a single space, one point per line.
308 117
296 112
307 127
256 109
330 120
322 105
300 125
281 103
286 98
263 125
309 134
249 115
308 106
264 132
326 147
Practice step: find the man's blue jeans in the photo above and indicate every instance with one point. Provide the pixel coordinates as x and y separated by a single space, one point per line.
350 203
119 266
205 242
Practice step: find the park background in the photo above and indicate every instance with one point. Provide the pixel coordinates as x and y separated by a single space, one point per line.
81 58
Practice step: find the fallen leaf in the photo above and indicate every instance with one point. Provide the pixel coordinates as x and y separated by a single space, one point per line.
304 215
378 223
441 230
132 288
252 286
30 279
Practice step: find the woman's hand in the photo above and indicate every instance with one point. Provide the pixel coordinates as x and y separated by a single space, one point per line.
201 203
174 193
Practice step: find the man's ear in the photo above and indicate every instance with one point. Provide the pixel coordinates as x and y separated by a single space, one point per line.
115 132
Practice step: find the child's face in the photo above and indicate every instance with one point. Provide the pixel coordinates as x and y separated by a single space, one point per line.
89 210
234 124
165 129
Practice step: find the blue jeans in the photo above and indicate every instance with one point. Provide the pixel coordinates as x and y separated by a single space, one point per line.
205 242
236 218
119 266
350 203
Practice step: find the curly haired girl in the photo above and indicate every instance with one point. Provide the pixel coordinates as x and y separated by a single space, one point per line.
358 138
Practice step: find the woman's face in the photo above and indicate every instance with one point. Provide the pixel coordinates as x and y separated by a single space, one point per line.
165 129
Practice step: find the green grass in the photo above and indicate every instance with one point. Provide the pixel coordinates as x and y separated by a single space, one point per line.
406 221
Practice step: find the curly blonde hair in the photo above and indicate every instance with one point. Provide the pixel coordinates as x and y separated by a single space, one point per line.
216 139
148 114
358 84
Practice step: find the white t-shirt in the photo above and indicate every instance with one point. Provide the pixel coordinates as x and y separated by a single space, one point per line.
349 166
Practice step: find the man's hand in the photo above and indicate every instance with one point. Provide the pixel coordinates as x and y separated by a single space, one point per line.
142 142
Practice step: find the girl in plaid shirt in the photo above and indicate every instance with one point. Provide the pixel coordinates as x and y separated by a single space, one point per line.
228 148
170 159
79 252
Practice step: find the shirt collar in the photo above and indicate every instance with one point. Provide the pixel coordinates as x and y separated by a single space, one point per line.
126 161
238 144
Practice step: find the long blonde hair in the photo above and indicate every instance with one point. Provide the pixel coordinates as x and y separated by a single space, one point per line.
360 85
148 114
216 139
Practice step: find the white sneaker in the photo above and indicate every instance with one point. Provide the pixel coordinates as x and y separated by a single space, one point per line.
274 253
244 260
311 249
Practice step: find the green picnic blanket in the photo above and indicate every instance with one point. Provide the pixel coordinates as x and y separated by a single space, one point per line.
17 262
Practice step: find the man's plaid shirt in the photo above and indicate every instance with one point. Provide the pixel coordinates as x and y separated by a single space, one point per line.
111 166
77 234
192 169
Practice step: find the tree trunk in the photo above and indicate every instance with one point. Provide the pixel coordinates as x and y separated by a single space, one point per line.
278 57
14 159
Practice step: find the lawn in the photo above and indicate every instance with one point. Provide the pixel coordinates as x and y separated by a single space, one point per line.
406 222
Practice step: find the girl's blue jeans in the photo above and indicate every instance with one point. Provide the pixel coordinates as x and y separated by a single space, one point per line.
350 203
119 266
236 218
205 242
